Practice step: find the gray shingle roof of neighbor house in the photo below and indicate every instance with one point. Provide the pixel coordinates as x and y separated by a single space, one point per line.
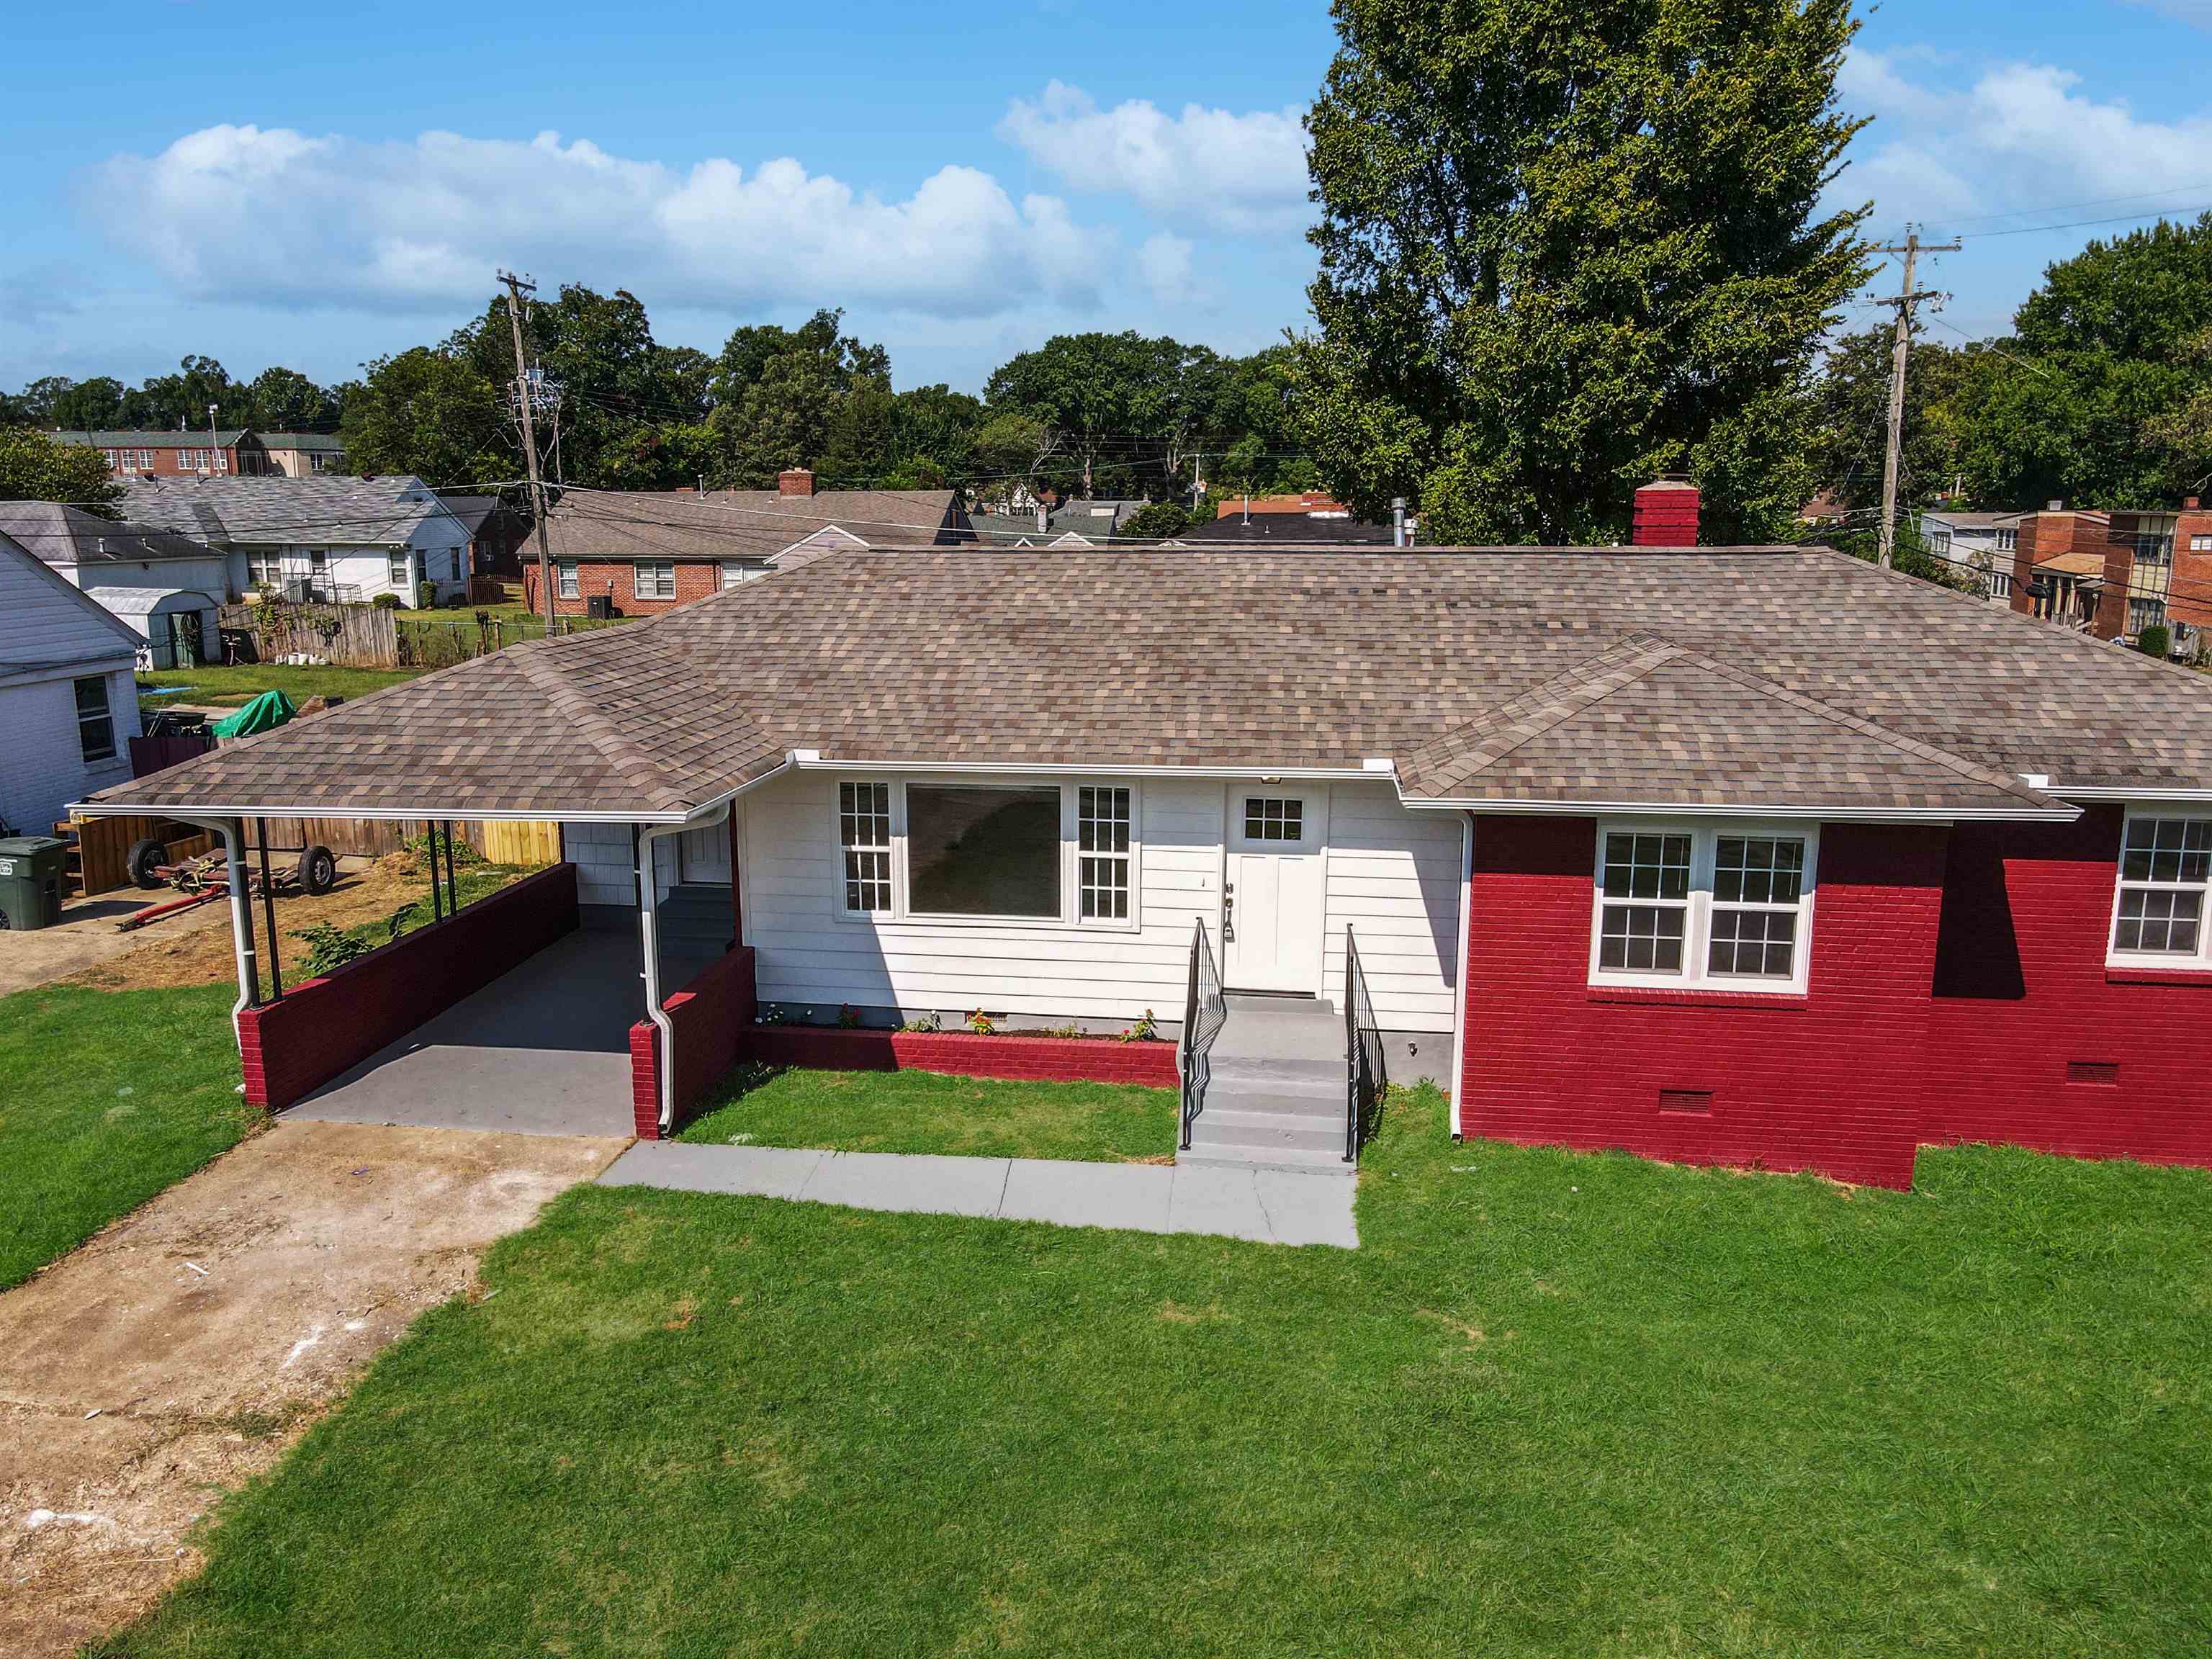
70 535
277 511
153 438
1778 678
754 525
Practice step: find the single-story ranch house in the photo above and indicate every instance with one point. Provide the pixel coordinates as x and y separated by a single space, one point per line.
1749 855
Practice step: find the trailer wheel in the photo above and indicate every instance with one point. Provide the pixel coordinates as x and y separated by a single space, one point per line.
318 870
144 864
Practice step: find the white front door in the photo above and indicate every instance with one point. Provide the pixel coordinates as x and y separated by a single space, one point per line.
1271 928
705 856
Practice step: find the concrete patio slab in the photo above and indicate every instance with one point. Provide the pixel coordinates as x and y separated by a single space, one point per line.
1265 1207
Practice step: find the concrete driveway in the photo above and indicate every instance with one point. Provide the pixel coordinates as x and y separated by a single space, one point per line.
181 1352
544 1050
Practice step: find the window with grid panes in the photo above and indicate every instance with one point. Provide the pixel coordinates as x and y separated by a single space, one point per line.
1644 922
1102 829
1758 881
1267 817
864 828
2165 866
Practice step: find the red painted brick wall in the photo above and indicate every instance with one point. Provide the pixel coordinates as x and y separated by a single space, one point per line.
695 580
1831 1080
2022 990
325 1026
713 1020
2191 599
963 1054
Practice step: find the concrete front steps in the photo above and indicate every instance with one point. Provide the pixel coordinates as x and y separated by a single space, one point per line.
1264 1114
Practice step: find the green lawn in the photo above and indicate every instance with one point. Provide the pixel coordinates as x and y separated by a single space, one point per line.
105 1097
239 685
1556 1405
922 1112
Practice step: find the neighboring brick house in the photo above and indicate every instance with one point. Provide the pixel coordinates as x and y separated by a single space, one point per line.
640 553
1746 855
2190 601
2059 566
2115 573
232 453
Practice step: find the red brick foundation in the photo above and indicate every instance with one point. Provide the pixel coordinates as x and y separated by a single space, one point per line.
963 1054
325 1026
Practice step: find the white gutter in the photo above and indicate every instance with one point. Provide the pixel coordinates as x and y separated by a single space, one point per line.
648 895
2107 791
117 809
2024 814
809 760
1459 977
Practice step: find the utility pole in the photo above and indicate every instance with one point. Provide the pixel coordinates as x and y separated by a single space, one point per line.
516 287
1907 297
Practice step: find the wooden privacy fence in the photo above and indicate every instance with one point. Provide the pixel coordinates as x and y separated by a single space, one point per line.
350 635
373 636
104 844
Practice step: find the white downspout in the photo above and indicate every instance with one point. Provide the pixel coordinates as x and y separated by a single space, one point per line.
648 917
1459 977
232 831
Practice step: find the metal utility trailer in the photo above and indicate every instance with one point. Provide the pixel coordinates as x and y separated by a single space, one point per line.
207 878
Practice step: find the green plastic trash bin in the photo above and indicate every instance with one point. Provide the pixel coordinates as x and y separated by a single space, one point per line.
32 871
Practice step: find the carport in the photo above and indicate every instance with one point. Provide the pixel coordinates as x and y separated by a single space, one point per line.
543 1049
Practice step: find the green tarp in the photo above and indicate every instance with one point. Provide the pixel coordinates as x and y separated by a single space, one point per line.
264 714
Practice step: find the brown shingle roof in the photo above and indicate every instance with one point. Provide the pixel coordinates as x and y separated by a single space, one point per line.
1744 677
736 523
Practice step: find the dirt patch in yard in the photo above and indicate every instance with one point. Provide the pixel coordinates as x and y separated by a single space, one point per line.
178 1353
368 890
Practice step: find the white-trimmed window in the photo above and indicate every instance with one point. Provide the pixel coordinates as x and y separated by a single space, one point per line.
397 566
654 579
1726 905
1101 839
564 580
967 851
734 571
95 727
864 829
1271 818
2166 870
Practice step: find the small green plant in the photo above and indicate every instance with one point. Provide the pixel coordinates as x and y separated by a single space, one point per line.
330 948
1147 1030
929 1022
418 849
386 602
848 1016
2155 641
1061 1031
981 1023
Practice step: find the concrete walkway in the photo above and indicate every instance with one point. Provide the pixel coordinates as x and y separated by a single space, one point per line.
1270 1206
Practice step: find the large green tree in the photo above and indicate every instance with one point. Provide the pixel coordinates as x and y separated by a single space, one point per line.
35 467
430 412
1850 422
1565 247
813 397
2088 401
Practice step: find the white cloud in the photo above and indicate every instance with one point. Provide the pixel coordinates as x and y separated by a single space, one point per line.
273 217
1165 262
2023 142
1245 173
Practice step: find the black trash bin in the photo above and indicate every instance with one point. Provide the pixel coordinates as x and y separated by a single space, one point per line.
33 869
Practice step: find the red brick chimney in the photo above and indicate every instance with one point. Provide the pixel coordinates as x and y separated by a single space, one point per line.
794 481
1666 514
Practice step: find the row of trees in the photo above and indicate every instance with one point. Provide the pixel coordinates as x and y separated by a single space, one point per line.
1555 260
1108 414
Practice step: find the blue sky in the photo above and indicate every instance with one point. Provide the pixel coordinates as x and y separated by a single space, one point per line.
341 182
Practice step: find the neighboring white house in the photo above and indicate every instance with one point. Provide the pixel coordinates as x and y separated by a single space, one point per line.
68 707
1980 544
165 587
326 538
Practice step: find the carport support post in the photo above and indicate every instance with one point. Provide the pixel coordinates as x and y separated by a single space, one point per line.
452 886
268 912
437 897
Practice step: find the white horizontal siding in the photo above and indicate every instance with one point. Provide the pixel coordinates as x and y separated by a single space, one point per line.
810 955
46 769
1393 877
601 854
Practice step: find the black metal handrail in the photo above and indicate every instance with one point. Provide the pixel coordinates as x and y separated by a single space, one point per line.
1205 1010
1366 1077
